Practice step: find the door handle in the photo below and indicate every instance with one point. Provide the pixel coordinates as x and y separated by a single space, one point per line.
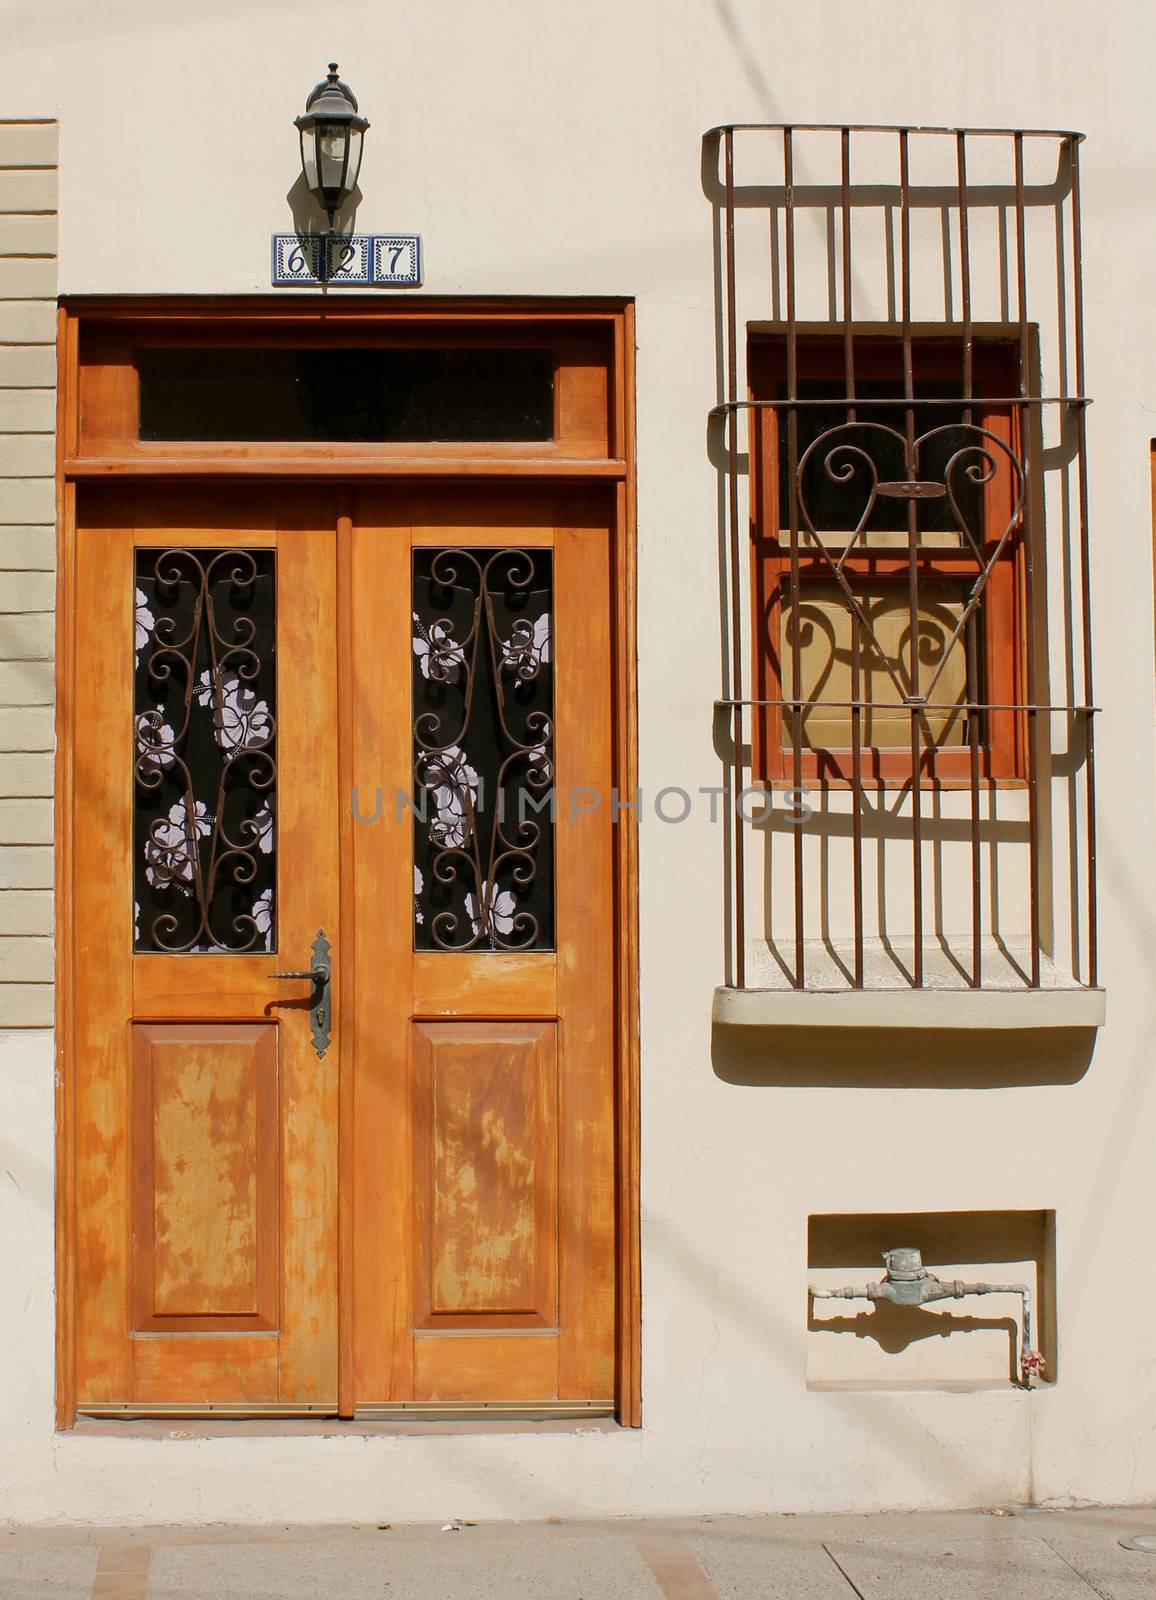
320 975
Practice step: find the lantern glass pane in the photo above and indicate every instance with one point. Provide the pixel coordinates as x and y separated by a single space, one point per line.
332 140
309 159
355 137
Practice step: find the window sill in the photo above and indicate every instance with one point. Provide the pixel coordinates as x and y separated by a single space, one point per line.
889 1000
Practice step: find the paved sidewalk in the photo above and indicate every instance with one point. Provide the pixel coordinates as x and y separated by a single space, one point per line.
1026 1555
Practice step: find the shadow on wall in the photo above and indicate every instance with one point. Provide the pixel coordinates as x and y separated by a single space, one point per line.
900 1058
896 1328
308 217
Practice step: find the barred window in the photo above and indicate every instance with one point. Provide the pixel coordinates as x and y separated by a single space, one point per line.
899 432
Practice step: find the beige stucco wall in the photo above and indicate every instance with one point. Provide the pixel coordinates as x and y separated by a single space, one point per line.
544 151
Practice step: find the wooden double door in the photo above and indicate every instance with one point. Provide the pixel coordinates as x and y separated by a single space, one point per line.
361 734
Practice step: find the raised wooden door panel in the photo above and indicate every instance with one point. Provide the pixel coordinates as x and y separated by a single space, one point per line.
484 1063
205 1159
485 1174
205 859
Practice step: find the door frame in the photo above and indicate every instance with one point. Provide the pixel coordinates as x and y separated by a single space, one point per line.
585 325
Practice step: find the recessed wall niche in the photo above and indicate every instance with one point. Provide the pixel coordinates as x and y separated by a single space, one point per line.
950 1344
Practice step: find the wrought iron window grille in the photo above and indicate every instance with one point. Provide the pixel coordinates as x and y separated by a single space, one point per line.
205 759
906 239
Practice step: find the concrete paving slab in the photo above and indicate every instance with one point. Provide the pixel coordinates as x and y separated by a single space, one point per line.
262 1571
1114 1573
527 1565
747 1566
983 1568
49 1572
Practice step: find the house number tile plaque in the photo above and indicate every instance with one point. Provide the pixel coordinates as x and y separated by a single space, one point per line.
358 259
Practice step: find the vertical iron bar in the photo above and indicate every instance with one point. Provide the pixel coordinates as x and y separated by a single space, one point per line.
1029 566
737 837
848 313
972 680
857 794
965 268
796 596
1085 564
912 560
856 639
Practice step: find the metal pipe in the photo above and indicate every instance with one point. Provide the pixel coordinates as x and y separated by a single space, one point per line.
907 1282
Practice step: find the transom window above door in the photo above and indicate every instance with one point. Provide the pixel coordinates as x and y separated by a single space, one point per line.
355 391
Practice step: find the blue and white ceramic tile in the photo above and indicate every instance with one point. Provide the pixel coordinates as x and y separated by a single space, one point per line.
296 259
359 258
397 258
349 259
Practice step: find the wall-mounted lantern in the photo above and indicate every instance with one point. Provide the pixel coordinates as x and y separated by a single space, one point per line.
331 135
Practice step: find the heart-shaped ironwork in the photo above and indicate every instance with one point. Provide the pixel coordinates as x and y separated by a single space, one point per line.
844 450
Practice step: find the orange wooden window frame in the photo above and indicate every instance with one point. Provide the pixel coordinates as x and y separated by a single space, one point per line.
1002 632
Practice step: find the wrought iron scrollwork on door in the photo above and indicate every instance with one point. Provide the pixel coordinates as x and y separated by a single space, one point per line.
483 764
205 767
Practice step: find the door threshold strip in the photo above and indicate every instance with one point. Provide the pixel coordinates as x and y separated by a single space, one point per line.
475 1410
129 1410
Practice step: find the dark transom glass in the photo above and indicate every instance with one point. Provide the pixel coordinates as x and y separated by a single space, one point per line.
347 395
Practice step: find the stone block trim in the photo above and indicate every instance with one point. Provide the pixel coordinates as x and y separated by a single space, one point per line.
28 287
